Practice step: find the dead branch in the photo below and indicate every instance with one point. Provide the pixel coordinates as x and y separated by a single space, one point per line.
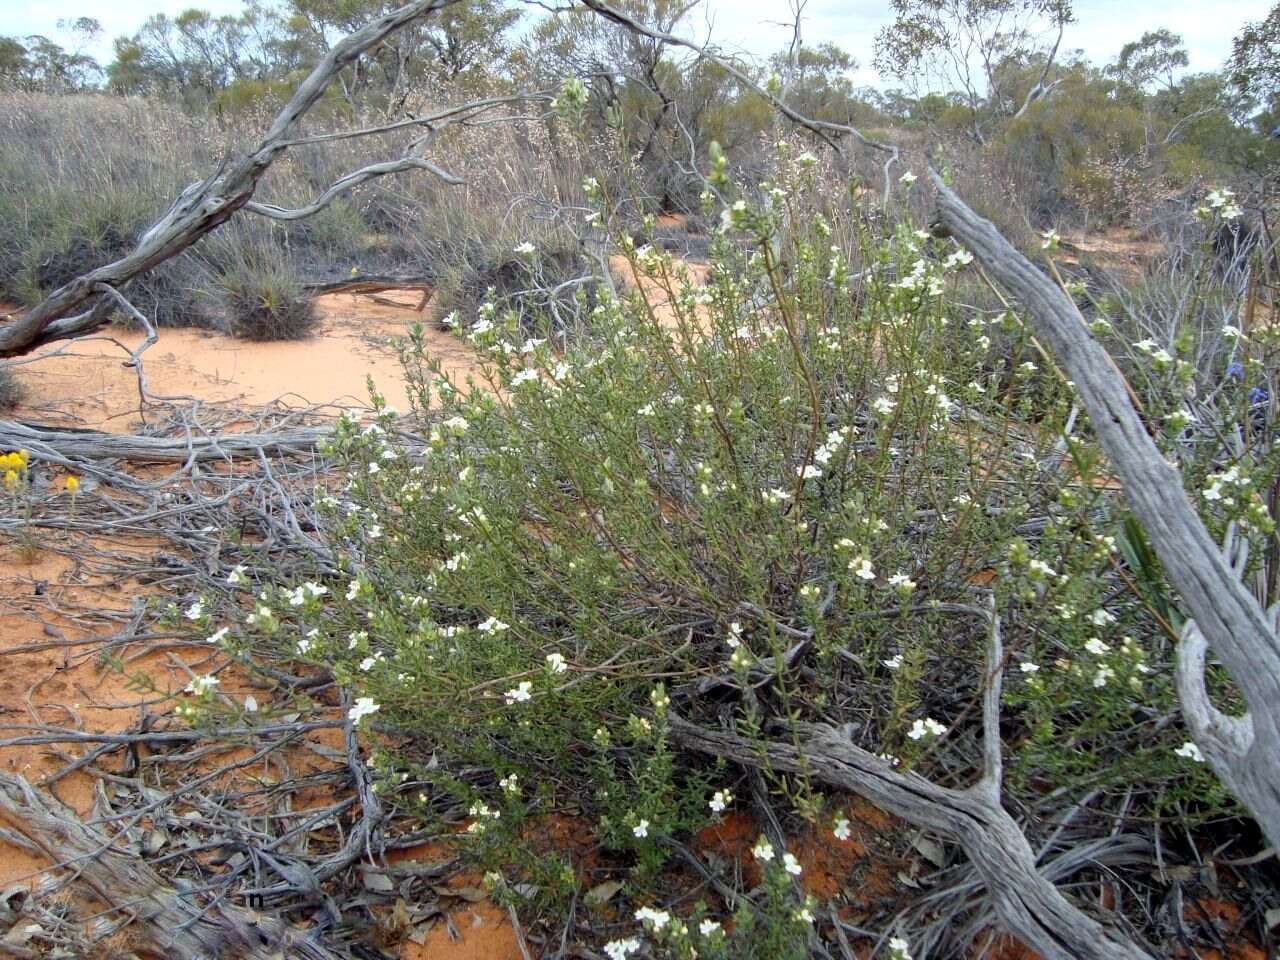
175 922
88 445
206 205
1245 753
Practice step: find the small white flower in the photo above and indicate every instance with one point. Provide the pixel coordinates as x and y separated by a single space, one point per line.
708 927
1190 751
366 663
1232 332
1028 667
492 625
720 801
842 830
763 850
641 829
883 406
522 692
902 582
928 727
1104 675
907 179
201 685
1097 647
658 918
791 864
809 472
524 376
525 249
238 577
556 663
195 611
621 949
899 949
894 662
362 708
861 567
219 635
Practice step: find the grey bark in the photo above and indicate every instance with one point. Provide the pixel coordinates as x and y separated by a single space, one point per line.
179 925
1244 752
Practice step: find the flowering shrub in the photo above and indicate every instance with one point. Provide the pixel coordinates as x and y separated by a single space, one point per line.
765 498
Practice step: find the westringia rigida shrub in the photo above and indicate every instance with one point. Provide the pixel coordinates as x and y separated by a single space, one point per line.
780 482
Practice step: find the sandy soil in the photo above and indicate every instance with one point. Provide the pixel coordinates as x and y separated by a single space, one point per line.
86 384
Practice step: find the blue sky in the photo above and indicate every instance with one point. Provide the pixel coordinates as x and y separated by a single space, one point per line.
752 26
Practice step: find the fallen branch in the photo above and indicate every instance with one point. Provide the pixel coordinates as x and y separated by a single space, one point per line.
1245 753
88 445
173 921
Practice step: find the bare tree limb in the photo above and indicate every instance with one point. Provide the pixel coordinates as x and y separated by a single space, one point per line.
175 922
202 206
1226 613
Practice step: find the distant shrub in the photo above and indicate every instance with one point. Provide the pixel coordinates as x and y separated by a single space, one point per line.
11 391
265 305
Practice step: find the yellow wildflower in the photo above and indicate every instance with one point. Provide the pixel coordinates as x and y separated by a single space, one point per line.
11 479
73 484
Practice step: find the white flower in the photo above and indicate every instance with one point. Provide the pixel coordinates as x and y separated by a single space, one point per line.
492 625
883 405
791 864
368 662
510 783
763 850
861 567
907 179
842 830
641 829
646 411
361 709
1233 332
195 611
776 495
621 949
1049 240
1028 667
899 949
720 800
928 727
1097 647
458 425
520 693
809 472
524 376
218 635
1101 617
1103 676
902 582
555 663
374 532
1190 751
959 258
201 685
237 577
708 927
894 662
526 248
659 918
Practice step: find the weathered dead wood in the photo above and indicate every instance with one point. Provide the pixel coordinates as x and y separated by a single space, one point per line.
204 206
89 445
179 925
1245 752
1028 904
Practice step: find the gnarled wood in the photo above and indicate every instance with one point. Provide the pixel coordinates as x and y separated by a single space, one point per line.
1225 612
179 925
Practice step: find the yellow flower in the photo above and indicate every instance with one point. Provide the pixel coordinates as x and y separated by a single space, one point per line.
11 479
73 484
